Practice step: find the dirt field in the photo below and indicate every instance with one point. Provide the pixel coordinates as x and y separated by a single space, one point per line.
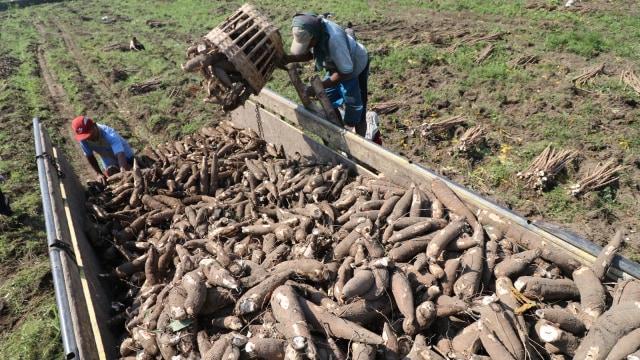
549 91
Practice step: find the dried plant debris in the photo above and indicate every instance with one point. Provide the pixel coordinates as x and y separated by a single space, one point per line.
428 130
116 47
145 87
387 107
543 170
485 53
597 178
155 23
524 60
588 74
474 39
471 138
629 78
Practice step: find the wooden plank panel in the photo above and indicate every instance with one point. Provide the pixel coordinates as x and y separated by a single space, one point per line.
276 131
363 152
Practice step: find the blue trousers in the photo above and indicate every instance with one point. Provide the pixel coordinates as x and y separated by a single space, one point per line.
353 95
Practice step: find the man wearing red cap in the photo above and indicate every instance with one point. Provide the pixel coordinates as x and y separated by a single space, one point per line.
113 149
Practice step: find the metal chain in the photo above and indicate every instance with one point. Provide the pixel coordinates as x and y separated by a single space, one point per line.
44 155
259 120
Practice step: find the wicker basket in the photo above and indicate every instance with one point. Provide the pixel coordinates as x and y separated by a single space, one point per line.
251 43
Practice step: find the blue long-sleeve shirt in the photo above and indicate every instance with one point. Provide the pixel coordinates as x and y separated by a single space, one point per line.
108 144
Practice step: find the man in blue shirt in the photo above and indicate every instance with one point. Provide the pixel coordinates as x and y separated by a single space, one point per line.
113 149
346 62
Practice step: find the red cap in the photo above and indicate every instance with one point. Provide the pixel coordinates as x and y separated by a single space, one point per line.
82 125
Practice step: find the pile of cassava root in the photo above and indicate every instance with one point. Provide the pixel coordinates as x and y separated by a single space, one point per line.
219 246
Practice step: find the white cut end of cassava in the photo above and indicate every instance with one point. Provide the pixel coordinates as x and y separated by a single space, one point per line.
549 333
489 299
593 313
296 328
610 250
385 336
382 262
593 353
189 279
249 347
519 285
495 218
238 340
282 300
299 342
247 306
581 270
178 312
501 290
230 284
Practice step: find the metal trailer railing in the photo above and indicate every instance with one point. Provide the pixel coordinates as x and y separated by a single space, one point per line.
83 302
55 250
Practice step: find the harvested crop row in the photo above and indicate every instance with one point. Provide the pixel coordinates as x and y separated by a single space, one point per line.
219 246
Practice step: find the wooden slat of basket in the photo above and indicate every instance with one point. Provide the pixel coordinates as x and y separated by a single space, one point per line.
276 46
238 58
251 43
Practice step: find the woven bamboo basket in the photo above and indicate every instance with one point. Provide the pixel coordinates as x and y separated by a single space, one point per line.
251 43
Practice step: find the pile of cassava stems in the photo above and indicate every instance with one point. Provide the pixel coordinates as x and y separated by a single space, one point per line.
220 247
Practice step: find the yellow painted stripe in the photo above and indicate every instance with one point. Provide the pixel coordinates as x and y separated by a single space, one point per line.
85 287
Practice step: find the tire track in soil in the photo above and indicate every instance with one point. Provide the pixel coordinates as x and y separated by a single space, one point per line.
60 101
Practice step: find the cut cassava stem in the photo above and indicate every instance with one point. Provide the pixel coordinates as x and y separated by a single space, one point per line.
498 323
592 295
612 325
563 319
442 238
287 310
626 345
403 295
564 341
418 229
547 289
451 201
516 263
255 298
468 283
603 261
322 320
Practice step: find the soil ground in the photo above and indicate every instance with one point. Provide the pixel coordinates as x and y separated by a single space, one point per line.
551 79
